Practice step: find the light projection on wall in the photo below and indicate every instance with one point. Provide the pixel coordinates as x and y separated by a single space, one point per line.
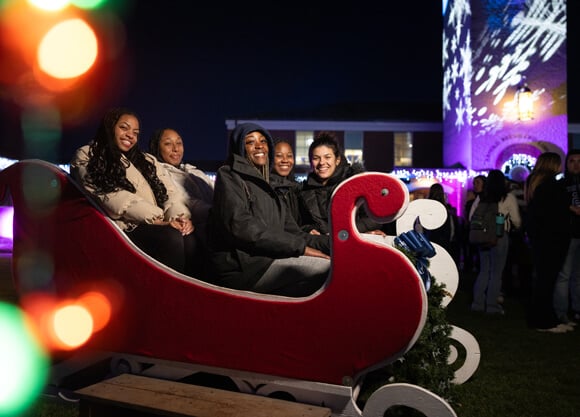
490 48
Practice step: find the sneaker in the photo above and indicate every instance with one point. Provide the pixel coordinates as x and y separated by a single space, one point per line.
556 329
566 326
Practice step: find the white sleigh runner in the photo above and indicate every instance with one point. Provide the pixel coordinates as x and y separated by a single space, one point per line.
315 350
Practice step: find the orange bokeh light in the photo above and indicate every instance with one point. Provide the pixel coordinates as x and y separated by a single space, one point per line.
99 307
66 324
68 50
72 325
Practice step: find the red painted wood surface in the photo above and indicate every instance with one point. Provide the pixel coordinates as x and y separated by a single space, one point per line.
371 310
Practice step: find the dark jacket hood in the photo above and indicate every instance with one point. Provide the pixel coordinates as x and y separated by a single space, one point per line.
237 144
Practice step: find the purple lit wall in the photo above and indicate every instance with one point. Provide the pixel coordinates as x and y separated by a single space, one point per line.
490 47
6 215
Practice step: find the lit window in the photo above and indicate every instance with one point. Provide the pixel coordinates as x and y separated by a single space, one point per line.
353 144
303 141
403 149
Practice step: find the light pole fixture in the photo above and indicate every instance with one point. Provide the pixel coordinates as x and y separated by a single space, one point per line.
524 102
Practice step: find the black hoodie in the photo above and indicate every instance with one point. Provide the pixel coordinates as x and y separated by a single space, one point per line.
314 200
249 226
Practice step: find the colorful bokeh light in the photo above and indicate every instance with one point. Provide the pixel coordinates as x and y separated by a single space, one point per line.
50 5
73 325
66 324
88 4
68 50
99 307
56 55
23 363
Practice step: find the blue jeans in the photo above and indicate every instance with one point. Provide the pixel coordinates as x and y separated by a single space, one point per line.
487 287
567 286
294 277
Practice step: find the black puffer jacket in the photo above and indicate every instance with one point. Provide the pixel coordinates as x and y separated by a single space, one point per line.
249 226
288 191
314 200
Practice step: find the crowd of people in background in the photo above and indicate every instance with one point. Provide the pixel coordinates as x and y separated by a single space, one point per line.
257 228
536 255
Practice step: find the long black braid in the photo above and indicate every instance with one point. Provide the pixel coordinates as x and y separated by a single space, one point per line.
107 170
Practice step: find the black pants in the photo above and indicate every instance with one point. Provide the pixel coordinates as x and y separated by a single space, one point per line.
549 256
168 246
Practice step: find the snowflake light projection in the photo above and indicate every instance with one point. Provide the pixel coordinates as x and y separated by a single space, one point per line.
489 48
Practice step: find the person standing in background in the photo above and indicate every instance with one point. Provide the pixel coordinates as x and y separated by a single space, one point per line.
471 255
549 233
447 234
567 289
488 284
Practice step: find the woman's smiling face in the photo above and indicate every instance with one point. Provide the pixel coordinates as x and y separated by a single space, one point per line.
283 159
171 147
257 148
126 132
324 162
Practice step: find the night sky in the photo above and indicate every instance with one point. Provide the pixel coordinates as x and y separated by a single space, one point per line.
193 69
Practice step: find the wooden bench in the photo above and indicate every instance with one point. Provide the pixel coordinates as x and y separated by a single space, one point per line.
129 394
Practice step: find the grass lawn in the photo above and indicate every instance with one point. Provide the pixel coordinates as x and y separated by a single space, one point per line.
522 373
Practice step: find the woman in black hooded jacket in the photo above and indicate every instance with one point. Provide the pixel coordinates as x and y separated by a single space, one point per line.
282 177
255 244
329 168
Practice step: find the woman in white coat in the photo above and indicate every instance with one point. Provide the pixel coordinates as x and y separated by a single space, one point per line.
136 191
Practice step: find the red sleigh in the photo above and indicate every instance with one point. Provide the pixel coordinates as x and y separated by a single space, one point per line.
369 313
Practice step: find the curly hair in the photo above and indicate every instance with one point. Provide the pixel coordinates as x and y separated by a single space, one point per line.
107 170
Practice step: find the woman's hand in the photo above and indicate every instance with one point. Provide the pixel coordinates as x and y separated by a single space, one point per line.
314 232
309 251
377 232
185 226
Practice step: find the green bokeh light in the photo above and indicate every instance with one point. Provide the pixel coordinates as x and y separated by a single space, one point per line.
23 363
88 4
